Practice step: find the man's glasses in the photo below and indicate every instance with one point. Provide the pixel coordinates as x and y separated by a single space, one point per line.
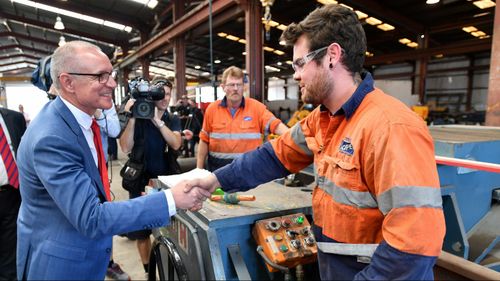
103 78
234 85
299 63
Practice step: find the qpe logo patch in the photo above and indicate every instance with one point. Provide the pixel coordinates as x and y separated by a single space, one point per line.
346 147
247 118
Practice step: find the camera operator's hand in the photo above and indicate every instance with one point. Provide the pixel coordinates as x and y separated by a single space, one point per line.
129 105
188 134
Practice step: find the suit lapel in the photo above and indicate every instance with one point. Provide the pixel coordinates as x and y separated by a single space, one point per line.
89 164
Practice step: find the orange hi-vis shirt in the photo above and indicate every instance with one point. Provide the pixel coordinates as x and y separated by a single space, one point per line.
228 136
375 172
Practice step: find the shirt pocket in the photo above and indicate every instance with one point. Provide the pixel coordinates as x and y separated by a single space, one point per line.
344 172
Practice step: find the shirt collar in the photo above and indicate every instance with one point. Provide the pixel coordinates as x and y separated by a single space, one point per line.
224 102
83 119
350 106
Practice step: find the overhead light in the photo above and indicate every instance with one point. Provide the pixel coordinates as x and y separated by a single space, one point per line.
282 42
150 3
62 41
244 53
373 21
197 67
385 27
469 29
242 41
404 41
216 61
279 52
288 62
222 34
73 15
59 25
361 15
269 49
279 63
326 2
232 38
430 2
412 44
281 27
478 33
484 4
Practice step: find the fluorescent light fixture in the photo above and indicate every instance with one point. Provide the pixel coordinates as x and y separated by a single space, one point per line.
279 63
62 41
244 53
59 25
216 61
438 56
368 54
222 34
385 27
478 33
289 62
484 37
73 15
197 67
484 4
279 52
469 29
430 2
271 69
242 41
281 27
232 38
361 15
373 21
345 6
282 42
326 2
412 44
404 41
269 49
150 3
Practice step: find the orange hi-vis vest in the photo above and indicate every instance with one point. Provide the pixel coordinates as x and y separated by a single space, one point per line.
375 172
228 136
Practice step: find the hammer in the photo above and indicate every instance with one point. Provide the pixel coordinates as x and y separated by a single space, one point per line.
232 198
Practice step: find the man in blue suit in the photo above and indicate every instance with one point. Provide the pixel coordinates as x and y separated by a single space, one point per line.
65 223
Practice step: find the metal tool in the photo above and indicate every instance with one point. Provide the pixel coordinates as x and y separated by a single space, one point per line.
232 198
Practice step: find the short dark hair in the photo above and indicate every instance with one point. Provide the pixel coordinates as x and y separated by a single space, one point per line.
329 24
160 81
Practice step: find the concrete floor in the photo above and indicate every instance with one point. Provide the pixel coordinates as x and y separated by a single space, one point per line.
124 250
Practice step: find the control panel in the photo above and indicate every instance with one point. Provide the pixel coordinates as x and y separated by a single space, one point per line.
287 241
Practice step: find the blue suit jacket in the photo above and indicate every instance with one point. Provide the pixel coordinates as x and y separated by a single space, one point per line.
64 228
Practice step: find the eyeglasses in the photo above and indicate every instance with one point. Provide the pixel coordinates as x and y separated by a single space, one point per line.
103 78
234 85
299 63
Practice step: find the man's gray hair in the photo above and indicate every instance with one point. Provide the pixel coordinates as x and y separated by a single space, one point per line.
64 59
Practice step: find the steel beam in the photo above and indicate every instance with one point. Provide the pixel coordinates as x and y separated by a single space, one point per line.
190 20
27 37
253 48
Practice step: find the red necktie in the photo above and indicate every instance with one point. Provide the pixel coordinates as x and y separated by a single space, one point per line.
100 158
8 160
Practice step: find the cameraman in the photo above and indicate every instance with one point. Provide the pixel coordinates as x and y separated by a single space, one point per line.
157 138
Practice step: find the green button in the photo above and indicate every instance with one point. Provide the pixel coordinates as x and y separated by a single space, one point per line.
300 220
284 248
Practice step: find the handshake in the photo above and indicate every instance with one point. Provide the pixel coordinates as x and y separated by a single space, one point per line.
190 194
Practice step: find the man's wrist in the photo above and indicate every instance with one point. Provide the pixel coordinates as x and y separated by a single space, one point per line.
160 125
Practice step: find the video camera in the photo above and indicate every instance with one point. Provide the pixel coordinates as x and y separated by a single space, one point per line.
144 95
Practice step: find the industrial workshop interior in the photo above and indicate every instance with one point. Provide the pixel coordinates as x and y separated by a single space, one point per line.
311 200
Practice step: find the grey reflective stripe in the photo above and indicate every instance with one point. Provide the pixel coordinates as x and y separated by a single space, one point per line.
364 250
358 199
267 131
221 155
239 136
409 196
299 138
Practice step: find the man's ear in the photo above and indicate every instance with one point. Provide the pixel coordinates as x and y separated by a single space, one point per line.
67 83
334 51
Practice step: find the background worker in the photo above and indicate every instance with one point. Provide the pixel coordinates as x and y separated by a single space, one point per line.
12 127
156 137
66 221
234 125
376 176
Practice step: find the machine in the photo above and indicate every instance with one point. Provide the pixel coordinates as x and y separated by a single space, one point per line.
269 238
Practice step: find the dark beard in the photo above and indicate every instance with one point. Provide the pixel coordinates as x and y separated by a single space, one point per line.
319 88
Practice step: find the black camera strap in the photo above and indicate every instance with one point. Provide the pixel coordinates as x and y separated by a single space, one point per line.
137 154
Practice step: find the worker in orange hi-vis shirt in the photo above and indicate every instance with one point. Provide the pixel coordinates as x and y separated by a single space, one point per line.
234 125
377 205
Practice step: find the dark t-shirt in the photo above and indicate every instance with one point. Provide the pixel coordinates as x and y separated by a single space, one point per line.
154 144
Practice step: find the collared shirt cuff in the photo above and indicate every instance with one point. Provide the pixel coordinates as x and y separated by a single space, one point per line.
171 202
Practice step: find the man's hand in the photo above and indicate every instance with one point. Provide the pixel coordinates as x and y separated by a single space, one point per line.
192 199
188 134
209 183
